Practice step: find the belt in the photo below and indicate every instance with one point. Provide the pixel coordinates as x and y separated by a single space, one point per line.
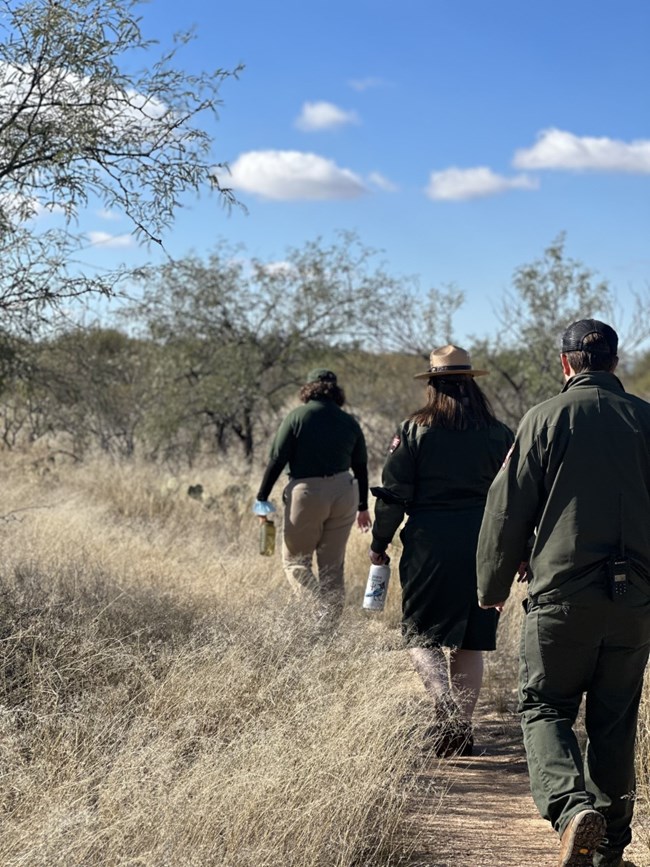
326 476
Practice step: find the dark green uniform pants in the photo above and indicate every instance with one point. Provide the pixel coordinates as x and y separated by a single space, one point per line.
584 644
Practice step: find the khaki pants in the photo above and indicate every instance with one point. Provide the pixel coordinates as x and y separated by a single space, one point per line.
318 515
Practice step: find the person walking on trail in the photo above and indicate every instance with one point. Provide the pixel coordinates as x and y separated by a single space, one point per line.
578 478
439 467
319 443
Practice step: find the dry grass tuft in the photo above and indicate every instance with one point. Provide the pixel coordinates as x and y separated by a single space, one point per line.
163 700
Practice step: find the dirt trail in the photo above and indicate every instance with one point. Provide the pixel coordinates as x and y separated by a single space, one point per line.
486 817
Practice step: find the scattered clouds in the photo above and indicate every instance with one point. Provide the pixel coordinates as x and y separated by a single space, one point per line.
318 116
361 84
383 183
293 175
557 149
104 239
459 184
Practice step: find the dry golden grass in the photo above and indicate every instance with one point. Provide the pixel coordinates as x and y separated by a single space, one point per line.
165 701
642 809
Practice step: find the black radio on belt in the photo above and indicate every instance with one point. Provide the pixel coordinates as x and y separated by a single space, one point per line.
619 570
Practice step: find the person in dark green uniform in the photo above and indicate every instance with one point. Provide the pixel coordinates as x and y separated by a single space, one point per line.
578 478
439 467
319 443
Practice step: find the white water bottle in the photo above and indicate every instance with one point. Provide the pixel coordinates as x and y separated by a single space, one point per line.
374 598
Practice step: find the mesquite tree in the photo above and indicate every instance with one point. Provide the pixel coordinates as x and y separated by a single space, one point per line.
79 127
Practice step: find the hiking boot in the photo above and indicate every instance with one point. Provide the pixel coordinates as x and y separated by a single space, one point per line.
451 739
609 858
461 742
581 837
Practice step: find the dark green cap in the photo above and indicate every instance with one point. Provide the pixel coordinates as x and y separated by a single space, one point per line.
321 374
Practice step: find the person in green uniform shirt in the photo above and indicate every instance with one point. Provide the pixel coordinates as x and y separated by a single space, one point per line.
578 478
320 444
439 467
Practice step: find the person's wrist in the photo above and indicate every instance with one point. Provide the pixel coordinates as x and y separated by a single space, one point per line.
378 558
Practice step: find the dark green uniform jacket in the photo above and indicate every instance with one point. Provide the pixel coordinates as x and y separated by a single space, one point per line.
578 478
440 478
318 438
437 469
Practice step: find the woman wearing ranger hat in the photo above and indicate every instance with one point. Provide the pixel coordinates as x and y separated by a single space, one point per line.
320 443
440 464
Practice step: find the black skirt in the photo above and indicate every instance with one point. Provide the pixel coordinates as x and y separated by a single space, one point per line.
438 578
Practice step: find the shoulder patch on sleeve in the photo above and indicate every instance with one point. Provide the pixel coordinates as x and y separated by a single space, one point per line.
507 457
394 443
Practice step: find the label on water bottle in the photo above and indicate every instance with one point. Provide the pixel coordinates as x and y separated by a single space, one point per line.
374 597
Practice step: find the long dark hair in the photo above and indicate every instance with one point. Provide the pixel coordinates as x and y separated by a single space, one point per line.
454 403
322 391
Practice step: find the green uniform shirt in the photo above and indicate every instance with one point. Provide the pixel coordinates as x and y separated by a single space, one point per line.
578 478
318 438
435 468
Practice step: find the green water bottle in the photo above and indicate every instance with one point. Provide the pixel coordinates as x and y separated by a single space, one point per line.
267 537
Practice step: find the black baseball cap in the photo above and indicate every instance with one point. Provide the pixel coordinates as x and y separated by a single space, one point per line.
573 338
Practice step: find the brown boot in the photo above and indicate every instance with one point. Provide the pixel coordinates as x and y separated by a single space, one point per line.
581 837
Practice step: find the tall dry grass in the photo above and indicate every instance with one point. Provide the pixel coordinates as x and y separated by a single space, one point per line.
642 807
165 701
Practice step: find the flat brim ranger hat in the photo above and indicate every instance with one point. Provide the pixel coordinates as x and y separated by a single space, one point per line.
450 360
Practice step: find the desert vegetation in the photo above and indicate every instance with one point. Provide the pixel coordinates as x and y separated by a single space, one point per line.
165 701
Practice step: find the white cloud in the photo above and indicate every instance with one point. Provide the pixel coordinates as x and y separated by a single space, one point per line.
455 184
361 84
58 88
316 116
104 239
557 149
18 208
44 209
112 216
378 180
280 267
290 175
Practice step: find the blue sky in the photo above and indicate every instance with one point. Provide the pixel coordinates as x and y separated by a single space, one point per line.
458 136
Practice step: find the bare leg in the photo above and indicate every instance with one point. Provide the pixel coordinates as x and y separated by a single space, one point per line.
466 667
432 666
442 676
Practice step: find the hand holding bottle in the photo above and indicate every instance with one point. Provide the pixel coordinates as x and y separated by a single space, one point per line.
262 508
